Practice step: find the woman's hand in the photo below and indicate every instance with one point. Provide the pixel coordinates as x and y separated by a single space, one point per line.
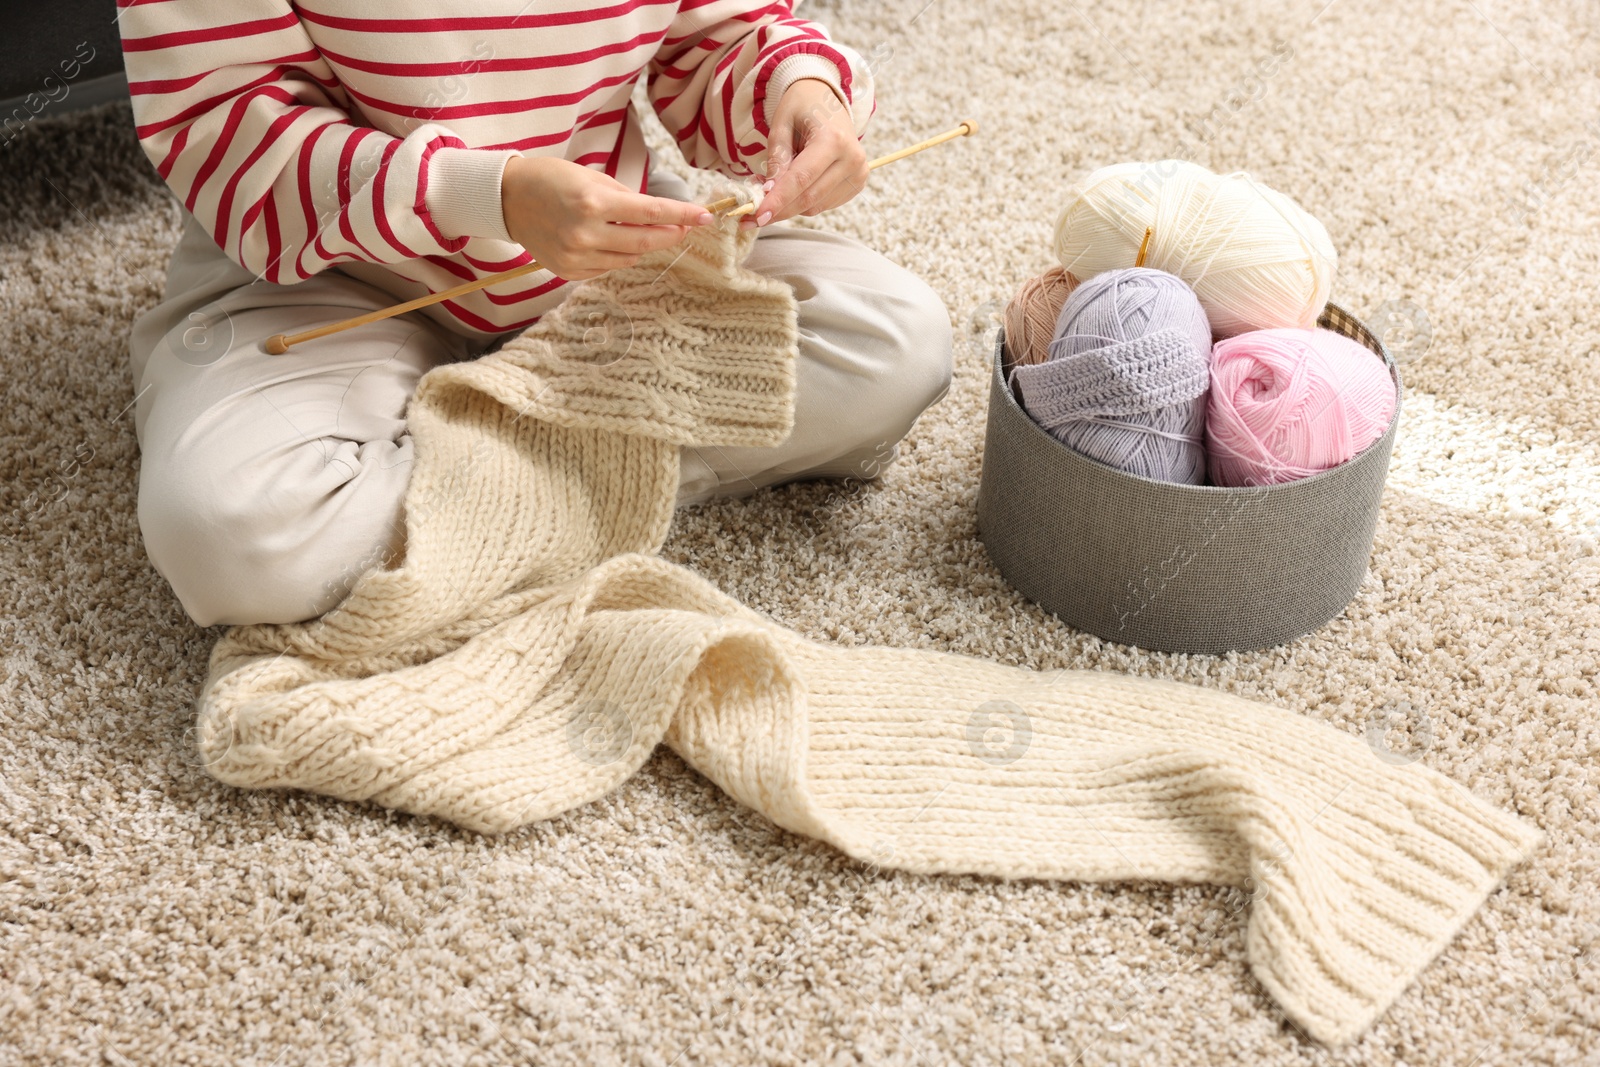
814 160
579 223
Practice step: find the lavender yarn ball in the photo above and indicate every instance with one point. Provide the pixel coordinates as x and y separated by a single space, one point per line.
1128 375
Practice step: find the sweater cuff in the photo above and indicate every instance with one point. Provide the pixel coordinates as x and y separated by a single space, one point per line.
463 192
793 69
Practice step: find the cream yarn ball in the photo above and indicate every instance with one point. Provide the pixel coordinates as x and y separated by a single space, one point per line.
1256 259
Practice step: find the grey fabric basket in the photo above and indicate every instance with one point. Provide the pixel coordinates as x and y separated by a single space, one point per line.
1177 568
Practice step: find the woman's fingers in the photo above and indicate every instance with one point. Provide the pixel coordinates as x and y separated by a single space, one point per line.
612 246
829 171
606 246
641 210
637 240
835 186
783 199
622 226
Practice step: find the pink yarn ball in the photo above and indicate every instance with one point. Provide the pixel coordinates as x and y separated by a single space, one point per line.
1288 403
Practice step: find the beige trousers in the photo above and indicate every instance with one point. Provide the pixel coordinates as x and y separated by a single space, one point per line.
267 484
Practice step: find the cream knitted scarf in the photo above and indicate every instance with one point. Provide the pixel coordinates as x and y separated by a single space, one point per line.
531 649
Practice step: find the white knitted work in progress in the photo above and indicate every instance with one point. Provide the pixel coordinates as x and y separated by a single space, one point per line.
531 649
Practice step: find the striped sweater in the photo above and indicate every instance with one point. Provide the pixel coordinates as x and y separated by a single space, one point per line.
371 137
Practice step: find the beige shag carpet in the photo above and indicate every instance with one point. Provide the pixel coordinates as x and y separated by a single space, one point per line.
149 915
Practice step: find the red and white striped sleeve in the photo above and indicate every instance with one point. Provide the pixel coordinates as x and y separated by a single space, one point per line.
248 125
723 66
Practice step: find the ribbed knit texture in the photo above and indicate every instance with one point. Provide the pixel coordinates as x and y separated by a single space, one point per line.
531 616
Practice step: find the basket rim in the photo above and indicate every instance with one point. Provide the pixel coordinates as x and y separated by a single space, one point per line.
1330 310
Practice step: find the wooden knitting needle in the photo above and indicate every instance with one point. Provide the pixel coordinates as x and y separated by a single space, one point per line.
279 343
966 127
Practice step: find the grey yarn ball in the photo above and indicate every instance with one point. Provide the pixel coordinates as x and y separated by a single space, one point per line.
1128 375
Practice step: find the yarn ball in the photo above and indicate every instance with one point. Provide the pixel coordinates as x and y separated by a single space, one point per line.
1286 404
1031 316
1256 259
1127 376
